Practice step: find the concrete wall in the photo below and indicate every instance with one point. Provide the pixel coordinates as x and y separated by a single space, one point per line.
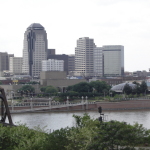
57 79
61 82
53 75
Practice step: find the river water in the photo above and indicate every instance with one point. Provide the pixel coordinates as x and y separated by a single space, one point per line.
55 120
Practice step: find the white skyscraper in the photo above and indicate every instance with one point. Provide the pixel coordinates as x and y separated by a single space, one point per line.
53 65
84 57
34 49
113 60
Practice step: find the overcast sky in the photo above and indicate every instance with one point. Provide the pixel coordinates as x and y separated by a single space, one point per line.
108 22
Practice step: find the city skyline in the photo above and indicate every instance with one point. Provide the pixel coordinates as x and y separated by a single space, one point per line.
108 22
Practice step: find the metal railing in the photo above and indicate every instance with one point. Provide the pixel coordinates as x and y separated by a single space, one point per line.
44 105
136 98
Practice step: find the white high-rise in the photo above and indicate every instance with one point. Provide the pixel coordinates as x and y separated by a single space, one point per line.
34 49
113 60
84 57
15 65
53 65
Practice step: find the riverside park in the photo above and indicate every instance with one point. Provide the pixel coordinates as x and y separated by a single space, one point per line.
87 134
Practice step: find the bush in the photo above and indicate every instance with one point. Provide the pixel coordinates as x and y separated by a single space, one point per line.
21 138
89 134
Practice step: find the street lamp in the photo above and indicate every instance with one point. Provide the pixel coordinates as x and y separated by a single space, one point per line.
31 103
86 98
67 99
82 99
67 102
86 102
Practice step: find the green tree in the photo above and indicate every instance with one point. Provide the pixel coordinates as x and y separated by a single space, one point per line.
50 89
94 86
33 82
70 88
58 140
81 137
43 89
82 87
136 90
100 86
143 87
27 89
21 138
134 82
91 134
72 93
127 89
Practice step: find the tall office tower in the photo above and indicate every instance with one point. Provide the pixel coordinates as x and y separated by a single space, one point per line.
4 62
98 61
52 65
60 57
34 49
113 60
84 57
71 62
15 65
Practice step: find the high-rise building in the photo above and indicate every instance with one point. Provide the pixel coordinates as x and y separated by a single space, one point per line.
34 49
52 65
15 65
113 60
84 57
71 62
4 62
50 52
98 61
60 57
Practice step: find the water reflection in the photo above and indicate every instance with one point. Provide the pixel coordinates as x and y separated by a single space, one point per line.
57 120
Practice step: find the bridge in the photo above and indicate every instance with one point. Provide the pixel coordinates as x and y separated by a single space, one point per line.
47 106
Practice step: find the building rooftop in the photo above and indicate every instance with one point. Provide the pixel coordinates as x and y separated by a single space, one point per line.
120 87
36 26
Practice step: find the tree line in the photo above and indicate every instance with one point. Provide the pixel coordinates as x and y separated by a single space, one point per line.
139 89
89 89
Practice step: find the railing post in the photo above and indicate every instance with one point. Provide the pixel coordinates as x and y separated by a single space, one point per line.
12 106
67 102
31 104
50 105
86 103
82 103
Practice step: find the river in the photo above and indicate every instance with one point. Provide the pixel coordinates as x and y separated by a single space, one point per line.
50 121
